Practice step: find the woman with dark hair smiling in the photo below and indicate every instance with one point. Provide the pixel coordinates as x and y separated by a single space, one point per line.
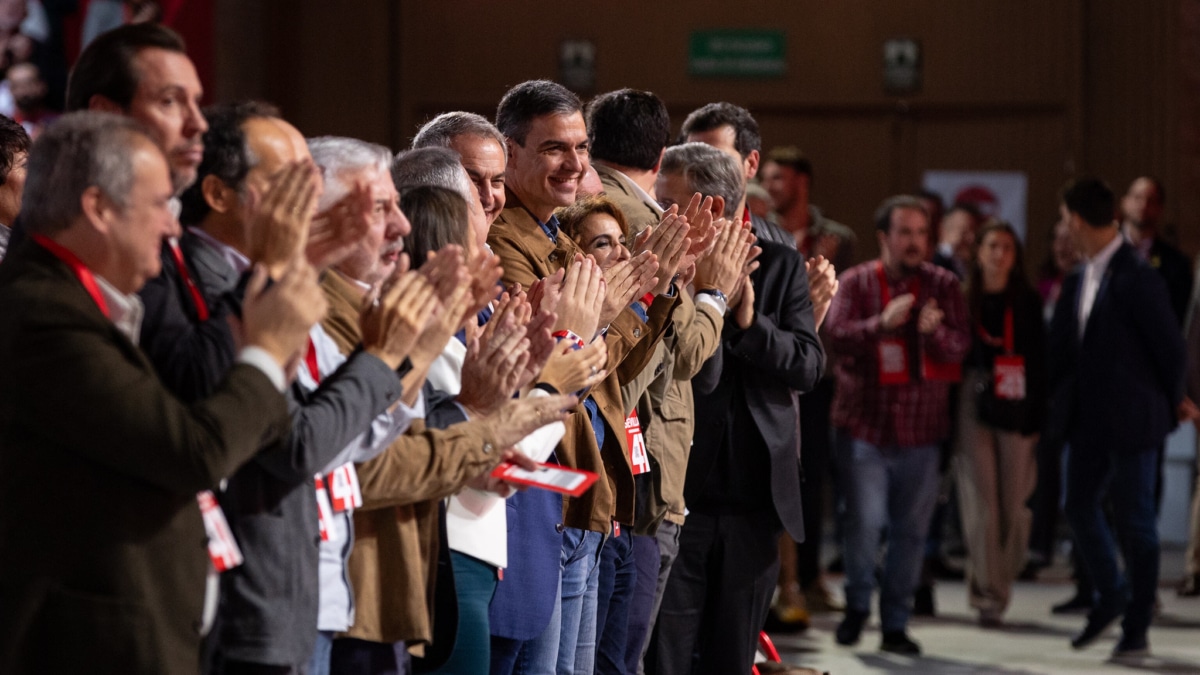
1000 413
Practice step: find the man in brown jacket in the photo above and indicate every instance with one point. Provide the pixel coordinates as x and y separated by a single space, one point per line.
547 146
393 565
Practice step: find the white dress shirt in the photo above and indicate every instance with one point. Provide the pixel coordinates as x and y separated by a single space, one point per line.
1093 275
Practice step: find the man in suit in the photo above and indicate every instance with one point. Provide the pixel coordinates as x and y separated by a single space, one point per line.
734 131
1141 218
898 328
1117 377
480 147
114 461
743 476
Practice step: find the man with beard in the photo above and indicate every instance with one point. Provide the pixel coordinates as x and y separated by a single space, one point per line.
898 328
1141 220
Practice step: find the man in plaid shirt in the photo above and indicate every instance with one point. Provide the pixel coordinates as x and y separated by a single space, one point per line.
898 328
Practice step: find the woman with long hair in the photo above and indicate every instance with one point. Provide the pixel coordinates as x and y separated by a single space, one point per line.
1002 404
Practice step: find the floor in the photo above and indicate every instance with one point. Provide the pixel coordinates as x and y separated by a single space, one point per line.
1032 640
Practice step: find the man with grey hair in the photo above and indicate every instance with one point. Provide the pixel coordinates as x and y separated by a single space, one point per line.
743 475
481 149
117 485
698 167
442 167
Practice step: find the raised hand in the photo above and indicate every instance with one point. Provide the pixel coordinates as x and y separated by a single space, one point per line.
626 281
277 221
822 286
895 314
930 318
338 229
571 369
393 318
744 313
277 319
581 298
721 268
494 363
669 242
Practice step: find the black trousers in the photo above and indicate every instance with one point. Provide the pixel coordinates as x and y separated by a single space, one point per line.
816 440
718 594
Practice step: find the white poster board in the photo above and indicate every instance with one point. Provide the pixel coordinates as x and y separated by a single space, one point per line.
997 194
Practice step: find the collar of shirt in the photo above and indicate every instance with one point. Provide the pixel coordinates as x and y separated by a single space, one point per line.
550 227
641 194
1098 264
361 284
125 311
239 262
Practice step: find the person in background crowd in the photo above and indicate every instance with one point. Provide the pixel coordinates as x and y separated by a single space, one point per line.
956 239
480 147
29 91
1000 411
14 153
899 330
1116 377
787 175
1141 222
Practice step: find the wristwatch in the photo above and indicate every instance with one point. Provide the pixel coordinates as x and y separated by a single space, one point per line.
715 292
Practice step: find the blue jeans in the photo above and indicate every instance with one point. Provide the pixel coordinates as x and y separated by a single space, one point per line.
319 664
538 656
642 606
893 489
580 586
1128 480
617 581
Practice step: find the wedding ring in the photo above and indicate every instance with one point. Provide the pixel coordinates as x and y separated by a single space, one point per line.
594 371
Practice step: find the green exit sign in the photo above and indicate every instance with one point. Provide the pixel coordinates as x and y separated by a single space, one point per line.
737 53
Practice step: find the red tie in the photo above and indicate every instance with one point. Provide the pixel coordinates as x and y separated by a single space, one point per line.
177 256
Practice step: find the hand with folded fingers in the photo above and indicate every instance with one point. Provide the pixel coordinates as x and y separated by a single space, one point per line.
570 369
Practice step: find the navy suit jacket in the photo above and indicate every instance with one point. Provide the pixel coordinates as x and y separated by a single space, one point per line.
1117 387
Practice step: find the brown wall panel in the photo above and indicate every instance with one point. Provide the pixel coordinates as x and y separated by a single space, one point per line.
1049 88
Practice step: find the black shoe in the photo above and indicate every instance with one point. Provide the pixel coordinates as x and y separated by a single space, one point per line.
1189 587
1131 648
898 642
923 601
850 629
1078 604
1099 619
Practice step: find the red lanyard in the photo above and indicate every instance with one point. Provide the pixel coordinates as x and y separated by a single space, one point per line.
745 215
885 293
80 270
1009 342
310 360
197 298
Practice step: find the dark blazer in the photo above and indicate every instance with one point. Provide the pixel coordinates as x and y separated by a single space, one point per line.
1176 270
778 356
524 598
1117 388
269 604
102 548
191 355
